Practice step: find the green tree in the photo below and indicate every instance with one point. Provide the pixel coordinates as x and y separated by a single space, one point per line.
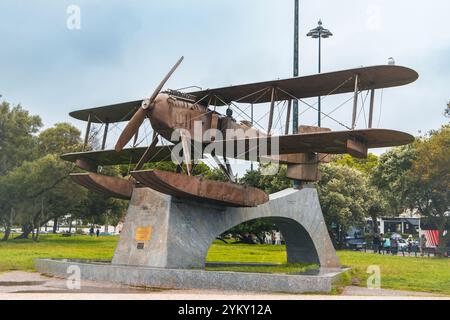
38 191
364 165
268 183
392 178
98 209
60 139
375 203
429 179
346 198
17 136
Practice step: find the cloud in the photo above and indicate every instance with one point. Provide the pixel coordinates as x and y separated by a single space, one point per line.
123 49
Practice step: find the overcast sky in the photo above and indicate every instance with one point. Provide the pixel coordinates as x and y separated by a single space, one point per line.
124 48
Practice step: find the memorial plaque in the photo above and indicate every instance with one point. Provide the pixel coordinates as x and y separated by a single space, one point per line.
143 234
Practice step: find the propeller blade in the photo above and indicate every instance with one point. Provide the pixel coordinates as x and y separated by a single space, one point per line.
131 128
140 115
163 82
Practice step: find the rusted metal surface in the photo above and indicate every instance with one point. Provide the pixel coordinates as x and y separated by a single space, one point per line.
86 164
333 142
375 77
133 125
171 110
199 189
308 172
111 157
109 186
357 149
131 129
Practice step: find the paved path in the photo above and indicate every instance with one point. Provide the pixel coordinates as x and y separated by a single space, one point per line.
363 291
26 285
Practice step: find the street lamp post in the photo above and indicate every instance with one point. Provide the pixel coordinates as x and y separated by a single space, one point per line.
296 64
318 33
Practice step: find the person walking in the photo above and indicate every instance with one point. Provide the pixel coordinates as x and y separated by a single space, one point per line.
381 246
91 231
422 244
387 245
410 242
277 238
394 246
376 243
97 232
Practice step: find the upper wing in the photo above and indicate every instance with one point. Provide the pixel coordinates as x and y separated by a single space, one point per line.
355 142
323 84
112 157
108 114
302 87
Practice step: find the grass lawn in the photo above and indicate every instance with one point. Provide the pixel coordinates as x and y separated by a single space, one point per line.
401 273
20 254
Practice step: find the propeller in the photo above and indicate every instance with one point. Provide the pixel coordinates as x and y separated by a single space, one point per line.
135 122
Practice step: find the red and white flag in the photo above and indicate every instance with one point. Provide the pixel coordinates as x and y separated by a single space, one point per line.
432 237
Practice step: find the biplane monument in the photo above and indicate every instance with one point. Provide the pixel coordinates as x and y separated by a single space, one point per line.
173 218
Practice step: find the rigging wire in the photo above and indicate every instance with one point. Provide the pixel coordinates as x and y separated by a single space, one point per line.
362 110
310 106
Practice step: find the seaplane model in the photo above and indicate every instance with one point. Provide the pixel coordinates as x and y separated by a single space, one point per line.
171 110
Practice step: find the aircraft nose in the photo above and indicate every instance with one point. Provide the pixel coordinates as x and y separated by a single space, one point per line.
158 100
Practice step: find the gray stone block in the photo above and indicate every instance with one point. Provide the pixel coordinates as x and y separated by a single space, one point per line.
181 232
192 279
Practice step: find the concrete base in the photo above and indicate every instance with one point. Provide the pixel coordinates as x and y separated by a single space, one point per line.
165 239
164 232
192 279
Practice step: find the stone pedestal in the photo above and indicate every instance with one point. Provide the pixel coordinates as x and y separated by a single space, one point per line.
164 232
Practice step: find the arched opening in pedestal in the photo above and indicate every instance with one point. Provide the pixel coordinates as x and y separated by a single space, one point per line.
264 244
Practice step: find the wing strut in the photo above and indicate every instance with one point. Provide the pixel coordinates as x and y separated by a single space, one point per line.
372 100
288 117
355 101
272 106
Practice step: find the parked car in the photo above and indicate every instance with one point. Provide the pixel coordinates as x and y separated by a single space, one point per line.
402 244
355 243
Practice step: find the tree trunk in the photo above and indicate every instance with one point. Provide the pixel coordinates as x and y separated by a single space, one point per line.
375 223
223 240
32 232
26 230
55 225
7 233
70 226
8 225
36 234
